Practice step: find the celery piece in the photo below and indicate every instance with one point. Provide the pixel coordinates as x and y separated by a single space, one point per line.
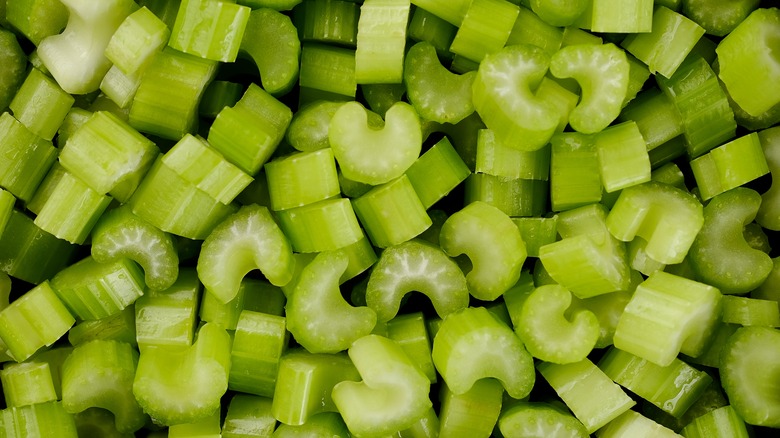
620 16
76 57
666 217
538 419
120 87
496 159
536 232
608 308
253 295
244 241
25 158
450 11
634 424
166 103
561 12
258 344
436 93
472 344
5 290
437 172
673 388
73 120
322 226
666 46
576 383
410 332
248 416
36 19
748 388
271 40
328 70
36 319
427 27
574 171
40 419
219 94
206 427
308 130
327 21
168 318
426 427
55 357
473 413
190 391
531 29
325 424
562 98
750 311
14 65
485 28
93 290
40 104
655 115
667 315
100 373
418 266
27 383
623 157
549 333
302 178
98 422
380 97
140 36
729 166
7 201
747 65
720 255
381 39
119 326
718 18
603 73
210 29
720 422
519 118
108 155
514 197
370 154
768 215
393 394
318 316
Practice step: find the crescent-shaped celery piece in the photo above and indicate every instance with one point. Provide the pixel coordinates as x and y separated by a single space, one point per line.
248 239
318 316
271 40
75 57
720 255
393 395
370 154
504 97
493 244
415 265
472 344
435 92
308 130
768 215
602 70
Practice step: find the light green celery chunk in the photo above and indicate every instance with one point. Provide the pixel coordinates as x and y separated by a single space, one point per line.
608 308
562 98
437 172
35 19
720 255
327 21
76 58
428 27
393 394
473 344
271 40
550 333
246 240
206 427
302 178
410 332
436 93
27 383
536 232
210 29
513 196
40 104
318 316
602 71
729 166
100 374
371 154
417 266
450 11
529 28
748 65
55 357
308 130
326 225
666 217
327 72
485 28
108 155
718 18
495 158
25 158
623 157
750 311
574 171
14 65
768 215
574 35
168 318
40 419
73 120
120 87
504 97
98 422
634 424
381 39
668 315
166 103
621 16
655 115
248 416
36 319
750 389
560 12
721 422
473 413
576 383
638 74
119 327
140 36
259 342
537 420
254 295
190 391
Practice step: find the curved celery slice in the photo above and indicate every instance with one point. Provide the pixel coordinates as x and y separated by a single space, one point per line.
308 130
100 374
436 93
120 233
415 266
393 394
472 344
718 18
375 155
504 96
539 420
768 215
492 242
191 390
720 255
318 316
271 40
75 57
244 241
750 389
551 335
602 72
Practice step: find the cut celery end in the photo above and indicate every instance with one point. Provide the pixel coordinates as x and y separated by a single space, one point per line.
729 166
574 171
529 28
140 36
428 27
258 343
620 16
750 311
634 424
326 225
437 172
410 332
271 40
41 419
381 39
32 158
516 197
623 157
119 327
473 413
485 28
209 29
308 130
302 178
248 415
168 318
327 21
655 116
27 383
328 69
494 158
119 87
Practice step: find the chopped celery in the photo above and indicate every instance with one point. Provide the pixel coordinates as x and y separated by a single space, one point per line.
271 40
210 29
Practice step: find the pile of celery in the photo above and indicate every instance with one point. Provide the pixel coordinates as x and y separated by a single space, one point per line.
384 218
